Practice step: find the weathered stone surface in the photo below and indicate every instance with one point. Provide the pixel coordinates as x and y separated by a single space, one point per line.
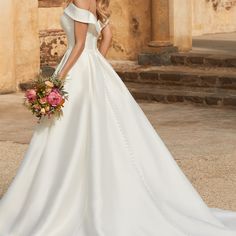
26 46
53 44
179 84
181 24
7 61
19 46
160 22
148 76
194 99
174 99
179 76
213 101
130 25
132 22
211 16
189 79
25 86
130 76
195 60
47 71
209 81
169 76
131 28
156 55
231 62
174 94
227 82
50 3
49 18
229 101
178 59
215 60
155 84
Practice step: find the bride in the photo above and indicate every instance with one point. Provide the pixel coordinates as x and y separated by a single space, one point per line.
102 170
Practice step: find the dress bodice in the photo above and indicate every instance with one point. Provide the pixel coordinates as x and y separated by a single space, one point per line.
73 13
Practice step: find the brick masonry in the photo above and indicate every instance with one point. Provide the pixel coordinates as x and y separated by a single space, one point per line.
170 84
53 44
50 3
204 59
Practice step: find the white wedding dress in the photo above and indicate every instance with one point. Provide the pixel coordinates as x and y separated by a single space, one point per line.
102 170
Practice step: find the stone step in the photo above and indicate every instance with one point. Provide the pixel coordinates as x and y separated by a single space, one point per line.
210 86
203 96
156 93
178 76
203 59
156 55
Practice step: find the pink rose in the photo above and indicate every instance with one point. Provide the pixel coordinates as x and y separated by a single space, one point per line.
55 90
31 95
54 99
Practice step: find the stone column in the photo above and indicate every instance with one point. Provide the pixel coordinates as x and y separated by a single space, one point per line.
181 24
159 49
160 35
7 60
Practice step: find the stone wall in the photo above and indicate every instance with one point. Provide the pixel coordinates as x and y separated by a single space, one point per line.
52 37
30 28
7 62
214 16
130 24
50 3
52 46
26 40
180 24
19 44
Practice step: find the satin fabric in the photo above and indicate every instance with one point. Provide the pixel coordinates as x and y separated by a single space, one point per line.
102 170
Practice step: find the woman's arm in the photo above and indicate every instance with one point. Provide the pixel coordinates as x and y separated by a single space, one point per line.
106 40
80 37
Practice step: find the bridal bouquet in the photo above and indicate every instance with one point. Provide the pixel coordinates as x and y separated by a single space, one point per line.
46 98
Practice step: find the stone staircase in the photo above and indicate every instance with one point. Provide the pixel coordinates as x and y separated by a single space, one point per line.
206 79
191 78
203 59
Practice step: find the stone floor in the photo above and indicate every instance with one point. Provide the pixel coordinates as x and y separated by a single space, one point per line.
202 140
221 43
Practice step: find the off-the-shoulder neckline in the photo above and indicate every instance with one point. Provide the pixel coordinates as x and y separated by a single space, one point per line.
73 5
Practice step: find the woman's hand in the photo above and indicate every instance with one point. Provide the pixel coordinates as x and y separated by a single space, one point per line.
106 39
62 75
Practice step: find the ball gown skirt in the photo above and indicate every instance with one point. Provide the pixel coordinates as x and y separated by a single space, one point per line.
102 170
